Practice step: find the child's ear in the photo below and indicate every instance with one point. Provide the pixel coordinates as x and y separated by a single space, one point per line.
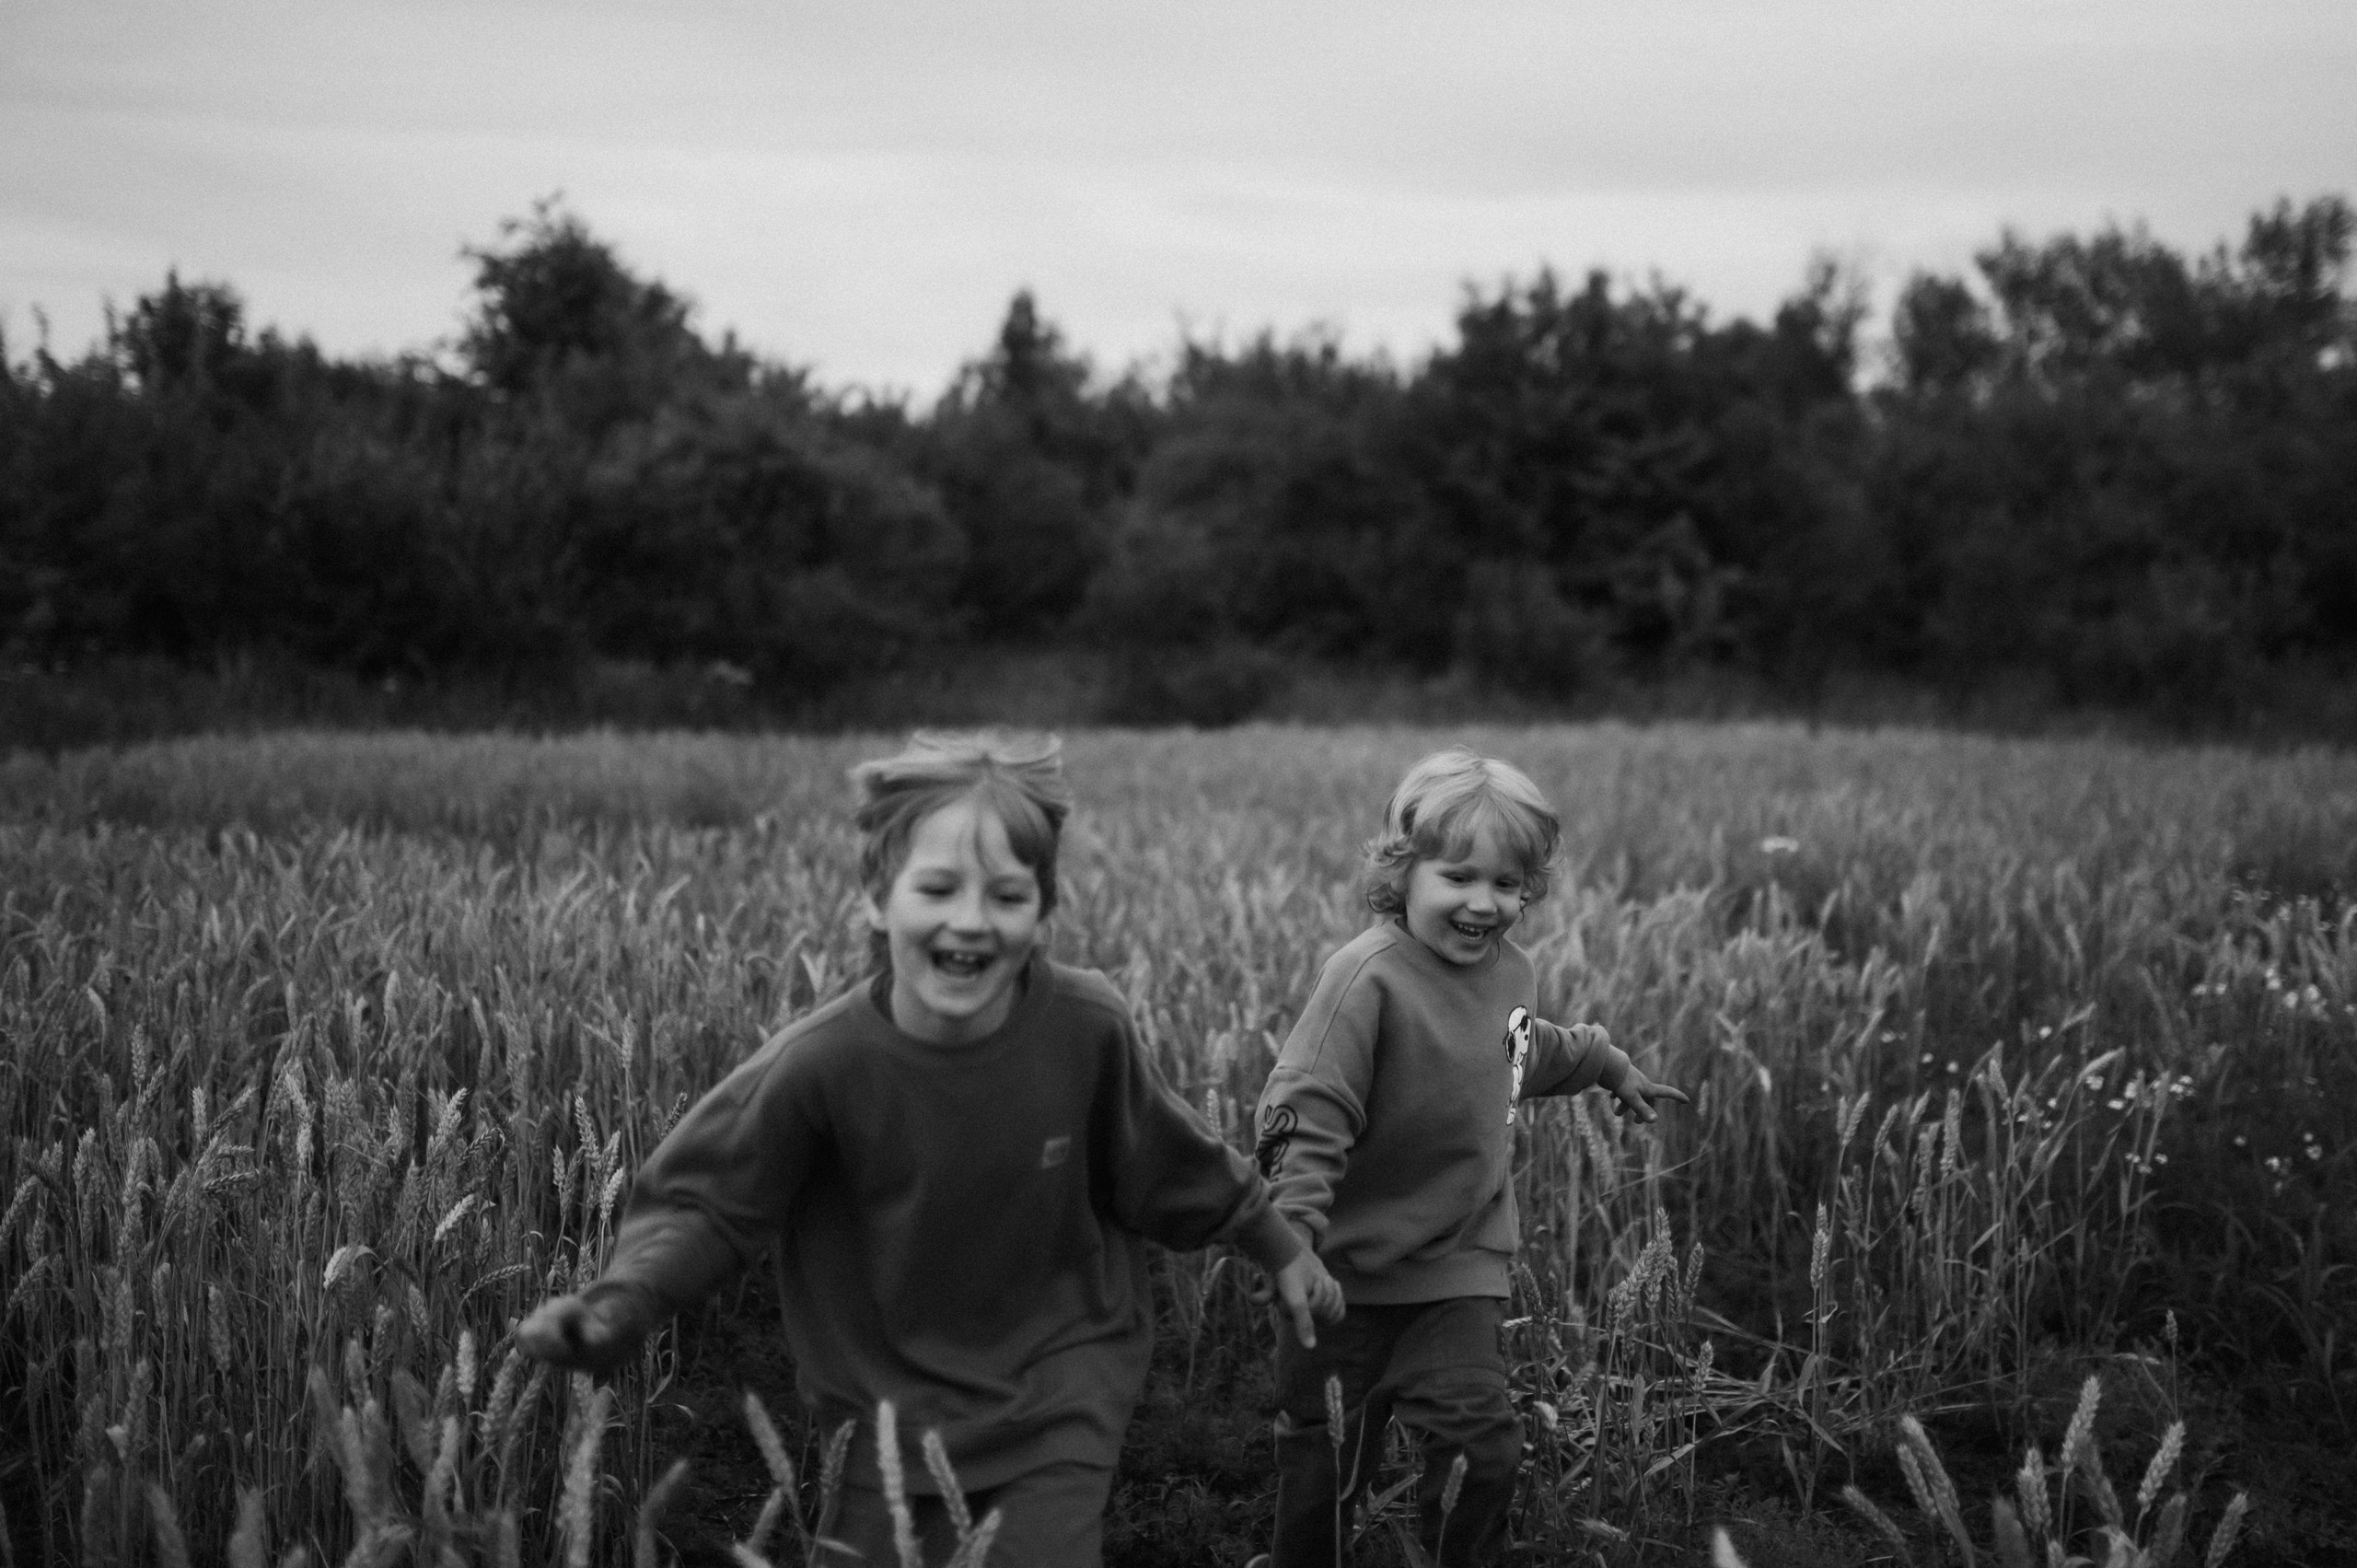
871 910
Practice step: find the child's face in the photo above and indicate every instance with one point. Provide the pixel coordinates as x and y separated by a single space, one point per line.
1462 909
962 916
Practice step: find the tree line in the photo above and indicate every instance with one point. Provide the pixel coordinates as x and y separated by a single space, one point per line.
2119 473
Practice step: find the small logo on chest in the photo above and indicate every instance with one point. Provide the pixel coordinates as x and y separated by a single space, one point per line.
1517 1055
1055 1151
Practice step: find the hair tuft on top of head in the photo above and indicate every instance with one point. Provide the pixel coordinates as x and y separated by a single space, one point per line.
1441 804
1019 777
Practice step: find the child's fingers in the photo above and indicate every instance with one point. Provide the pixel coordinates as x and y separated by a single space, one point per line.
552 1332
1305 1326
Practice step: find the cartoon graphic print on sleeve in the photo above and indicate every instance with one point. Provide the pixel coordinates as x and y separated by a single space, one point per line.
1518 1053
1277 1124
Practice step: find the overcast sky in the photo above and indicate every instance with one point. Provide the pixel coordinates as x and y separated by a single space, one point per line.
860 186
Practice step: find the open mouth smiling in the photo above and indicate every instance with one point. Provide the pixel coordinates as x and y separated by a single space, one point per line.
961 965
1471 932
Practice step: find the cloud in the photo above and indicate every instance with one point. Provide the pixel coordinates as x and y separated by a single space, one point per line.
861 187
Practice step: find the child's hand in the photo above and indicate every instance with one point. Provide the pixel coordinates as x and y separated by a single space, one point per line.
1308 1293
1636 1094
565 1330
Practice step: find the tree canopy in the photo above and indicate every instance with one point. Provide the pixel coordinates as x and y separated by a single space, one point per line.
2120 472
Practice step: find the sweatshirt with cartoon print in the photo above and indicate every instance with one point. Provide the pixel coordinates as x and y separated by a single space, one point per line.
1386 1126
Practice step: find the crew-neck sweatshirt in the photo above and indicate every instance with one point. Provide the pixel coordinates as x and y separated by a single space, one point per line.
958 1229
1386 1126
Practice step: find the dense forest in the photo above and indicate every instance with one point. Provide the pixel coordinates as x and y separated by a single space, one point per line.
2099 471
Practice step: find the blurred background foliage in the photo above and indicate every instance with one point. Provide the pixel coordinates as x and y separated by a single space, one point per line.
2097 474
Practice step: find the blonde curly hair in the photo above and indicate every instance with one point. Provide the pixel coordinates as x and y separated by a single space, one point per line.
1445 800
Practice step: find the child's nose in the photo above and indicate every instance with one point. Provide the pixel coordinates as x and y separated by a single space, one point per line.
966 912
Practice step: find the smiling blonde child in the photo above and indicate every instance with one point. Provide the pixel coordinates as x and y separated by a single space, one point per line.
1386 1130
955 1167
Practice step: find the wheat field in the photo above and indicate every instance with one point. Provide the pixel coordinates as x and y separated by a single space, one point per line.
326 1056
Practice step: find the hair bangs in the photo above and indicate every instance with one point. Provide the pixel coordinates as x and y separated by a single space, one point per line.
1020 782
1526 837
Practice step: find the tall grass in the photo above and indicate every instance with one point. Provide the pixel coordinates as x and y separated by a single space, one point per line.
327 1056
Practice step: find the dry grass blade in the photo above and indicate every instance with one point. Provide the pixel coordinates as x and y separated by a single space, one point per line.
2230 1525
247 1546
658 1498
1927 1471
831 1468
974 1550
2029 1485
1863 1506
2012 1542
896 1485
2165 1459
2080 1434
953 1496
172 1545
574 1516
773 1454
2168 1533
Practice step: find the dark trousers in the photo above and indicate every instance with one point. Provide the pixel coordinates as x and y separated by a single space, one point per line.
1437 1365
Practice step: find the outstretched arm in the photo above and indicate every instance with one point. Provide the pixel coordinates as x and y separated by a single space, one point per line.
1569 1058
1634 1094
578 1332
705 1203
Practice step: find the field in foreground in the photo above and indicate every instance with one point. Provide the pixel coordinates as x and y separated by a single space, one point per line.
2014 1062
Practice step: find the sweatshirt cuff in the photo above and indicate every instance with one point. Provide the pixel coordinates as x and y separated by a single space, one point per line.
629 1306
1268 1240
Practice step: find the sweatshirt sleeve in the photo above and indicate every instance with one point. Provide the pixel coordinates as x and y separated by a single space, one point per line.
1314 1107
710 1198
1173 1180
1567 1059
